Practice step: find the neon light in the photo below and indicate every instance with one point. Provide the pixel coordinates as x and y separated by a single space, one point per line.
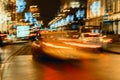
20 6
80 14
28 16
23 31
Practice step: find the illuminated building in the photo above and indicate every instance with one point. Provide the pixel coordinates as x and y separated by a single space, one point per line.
113 9
95 9
103 15
4 16
72 12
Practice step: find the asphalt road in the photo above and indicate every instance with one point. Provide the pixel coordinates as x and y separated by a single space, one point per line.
18 64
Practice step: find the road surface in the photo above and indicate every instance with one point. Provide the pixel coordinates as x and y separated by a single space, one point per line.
18 64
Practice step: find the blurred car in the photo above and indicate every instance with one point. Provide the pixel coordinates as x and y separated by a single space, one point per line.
63 49
95 38
11 39
3 36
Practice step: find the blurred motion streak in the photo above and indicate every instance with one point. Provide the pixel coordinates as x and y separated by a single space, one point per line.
64 50
68 71
83 45
55 46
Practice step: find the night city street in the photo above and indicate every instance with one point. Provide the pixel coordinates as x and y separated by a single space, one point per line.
20 65
60 40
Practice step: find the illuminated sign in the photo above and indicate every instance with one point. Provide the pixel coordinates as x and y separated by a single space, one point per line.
29 18
75 4
33 8
20 6
23 31
62 22
33 21
70 18
95 8
80 14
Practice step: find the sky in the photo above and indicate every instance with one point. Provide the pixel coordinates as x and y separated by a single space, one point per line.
47 9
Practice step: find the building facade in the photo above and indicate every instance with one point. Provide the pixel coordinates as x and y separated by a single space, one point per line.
4 16
95 9
103 16
113 9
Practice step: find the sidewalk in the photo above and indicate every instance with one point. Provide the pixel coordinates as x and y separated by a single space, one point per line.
113 47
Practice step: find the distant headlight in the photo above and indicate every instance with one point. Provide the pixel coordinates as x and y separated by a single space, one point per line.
106 40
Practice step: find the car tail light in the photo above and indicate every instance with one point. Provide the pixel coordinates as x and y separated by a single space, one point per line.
111 41
106 40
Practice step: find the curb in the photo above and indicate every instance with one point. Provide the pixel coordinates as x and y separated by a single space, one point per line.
111 51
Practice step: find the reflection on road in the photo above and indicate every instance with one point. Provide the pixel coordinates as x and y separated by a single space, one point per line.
67 71
24 67
104 68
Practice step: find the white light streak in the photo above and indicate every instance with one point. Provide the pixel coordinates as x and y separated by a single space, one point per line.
55 46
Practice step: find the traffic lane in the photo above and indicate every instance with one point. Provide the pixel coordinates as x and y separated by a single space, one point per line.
24 67
9 50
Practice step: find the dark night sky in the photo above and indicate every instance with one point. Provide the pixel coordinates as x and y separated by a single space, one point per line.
47 8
